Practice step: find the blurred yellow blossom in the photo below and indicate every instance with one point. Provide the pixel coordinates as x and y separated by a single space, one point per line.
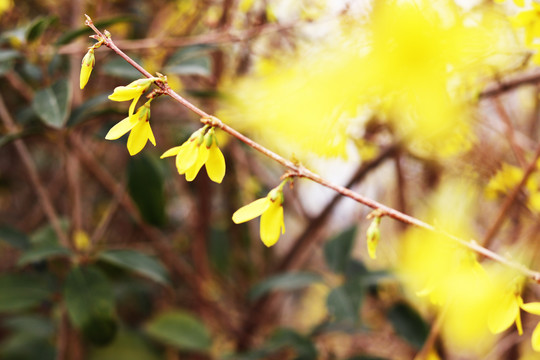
530 21
413 62
270 209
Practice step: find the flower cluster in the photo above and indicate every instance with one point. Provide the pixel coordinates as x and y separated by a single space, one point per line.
200 149
270 209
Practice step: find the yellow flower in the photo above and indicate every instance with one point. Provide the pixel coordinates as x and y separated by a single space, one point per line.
132 91
270 208
534 308
505 312
87 65
200 149
520 3
140 129
530 20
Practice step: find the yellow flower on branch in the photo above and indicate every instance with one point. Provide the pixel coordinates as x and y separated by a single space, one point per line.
200 149
132 91
534 308
530 20
505 312
139 126
87 65
270 209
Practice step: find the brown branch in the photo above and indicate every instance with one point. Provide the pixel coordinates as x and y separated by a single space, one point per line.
502 87
516 149
297 170
301 250
503 211
43 196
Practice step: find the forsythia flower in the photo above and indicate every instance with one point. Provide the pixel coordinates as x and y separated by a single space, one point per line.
200 149
140 129
507 311
87 65
132 91
270 208
519 3
530 20
534 308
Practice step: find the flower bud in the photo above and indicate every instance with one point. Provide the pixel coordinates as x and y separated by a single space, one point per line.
87 65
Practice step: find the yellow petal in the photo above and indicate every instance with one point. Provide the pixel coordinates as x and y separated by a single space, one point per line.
535 338
215 165
520 3
503 313
171 152
133 104
138 138
202 156
124 93
121 128
519 325
151 134
532 308
86 70
271 224
251 210
187 157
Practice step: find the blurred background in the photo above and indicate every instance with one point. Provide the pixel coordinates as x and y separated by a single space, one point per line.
430 107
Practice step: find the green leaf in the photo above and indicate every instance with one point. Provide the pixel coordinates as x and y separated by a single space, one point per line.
88 109
120 68
85 30
23 291
190 60
47 235
38 27
408 324
35 325
287 338
196 66
126 345
283 282
338 250
52 104
42 252
145 185
7 60
14 237
22 346
344 302
219 250
180 329
90 304
137 262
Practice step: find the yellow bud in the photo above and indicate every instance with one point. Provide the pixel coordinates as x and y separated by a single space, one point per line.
373 235
87 65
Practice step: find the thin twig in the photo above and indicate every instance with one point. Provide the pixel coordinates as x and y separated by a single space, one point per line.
297 170
516 149
503 211
43 196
